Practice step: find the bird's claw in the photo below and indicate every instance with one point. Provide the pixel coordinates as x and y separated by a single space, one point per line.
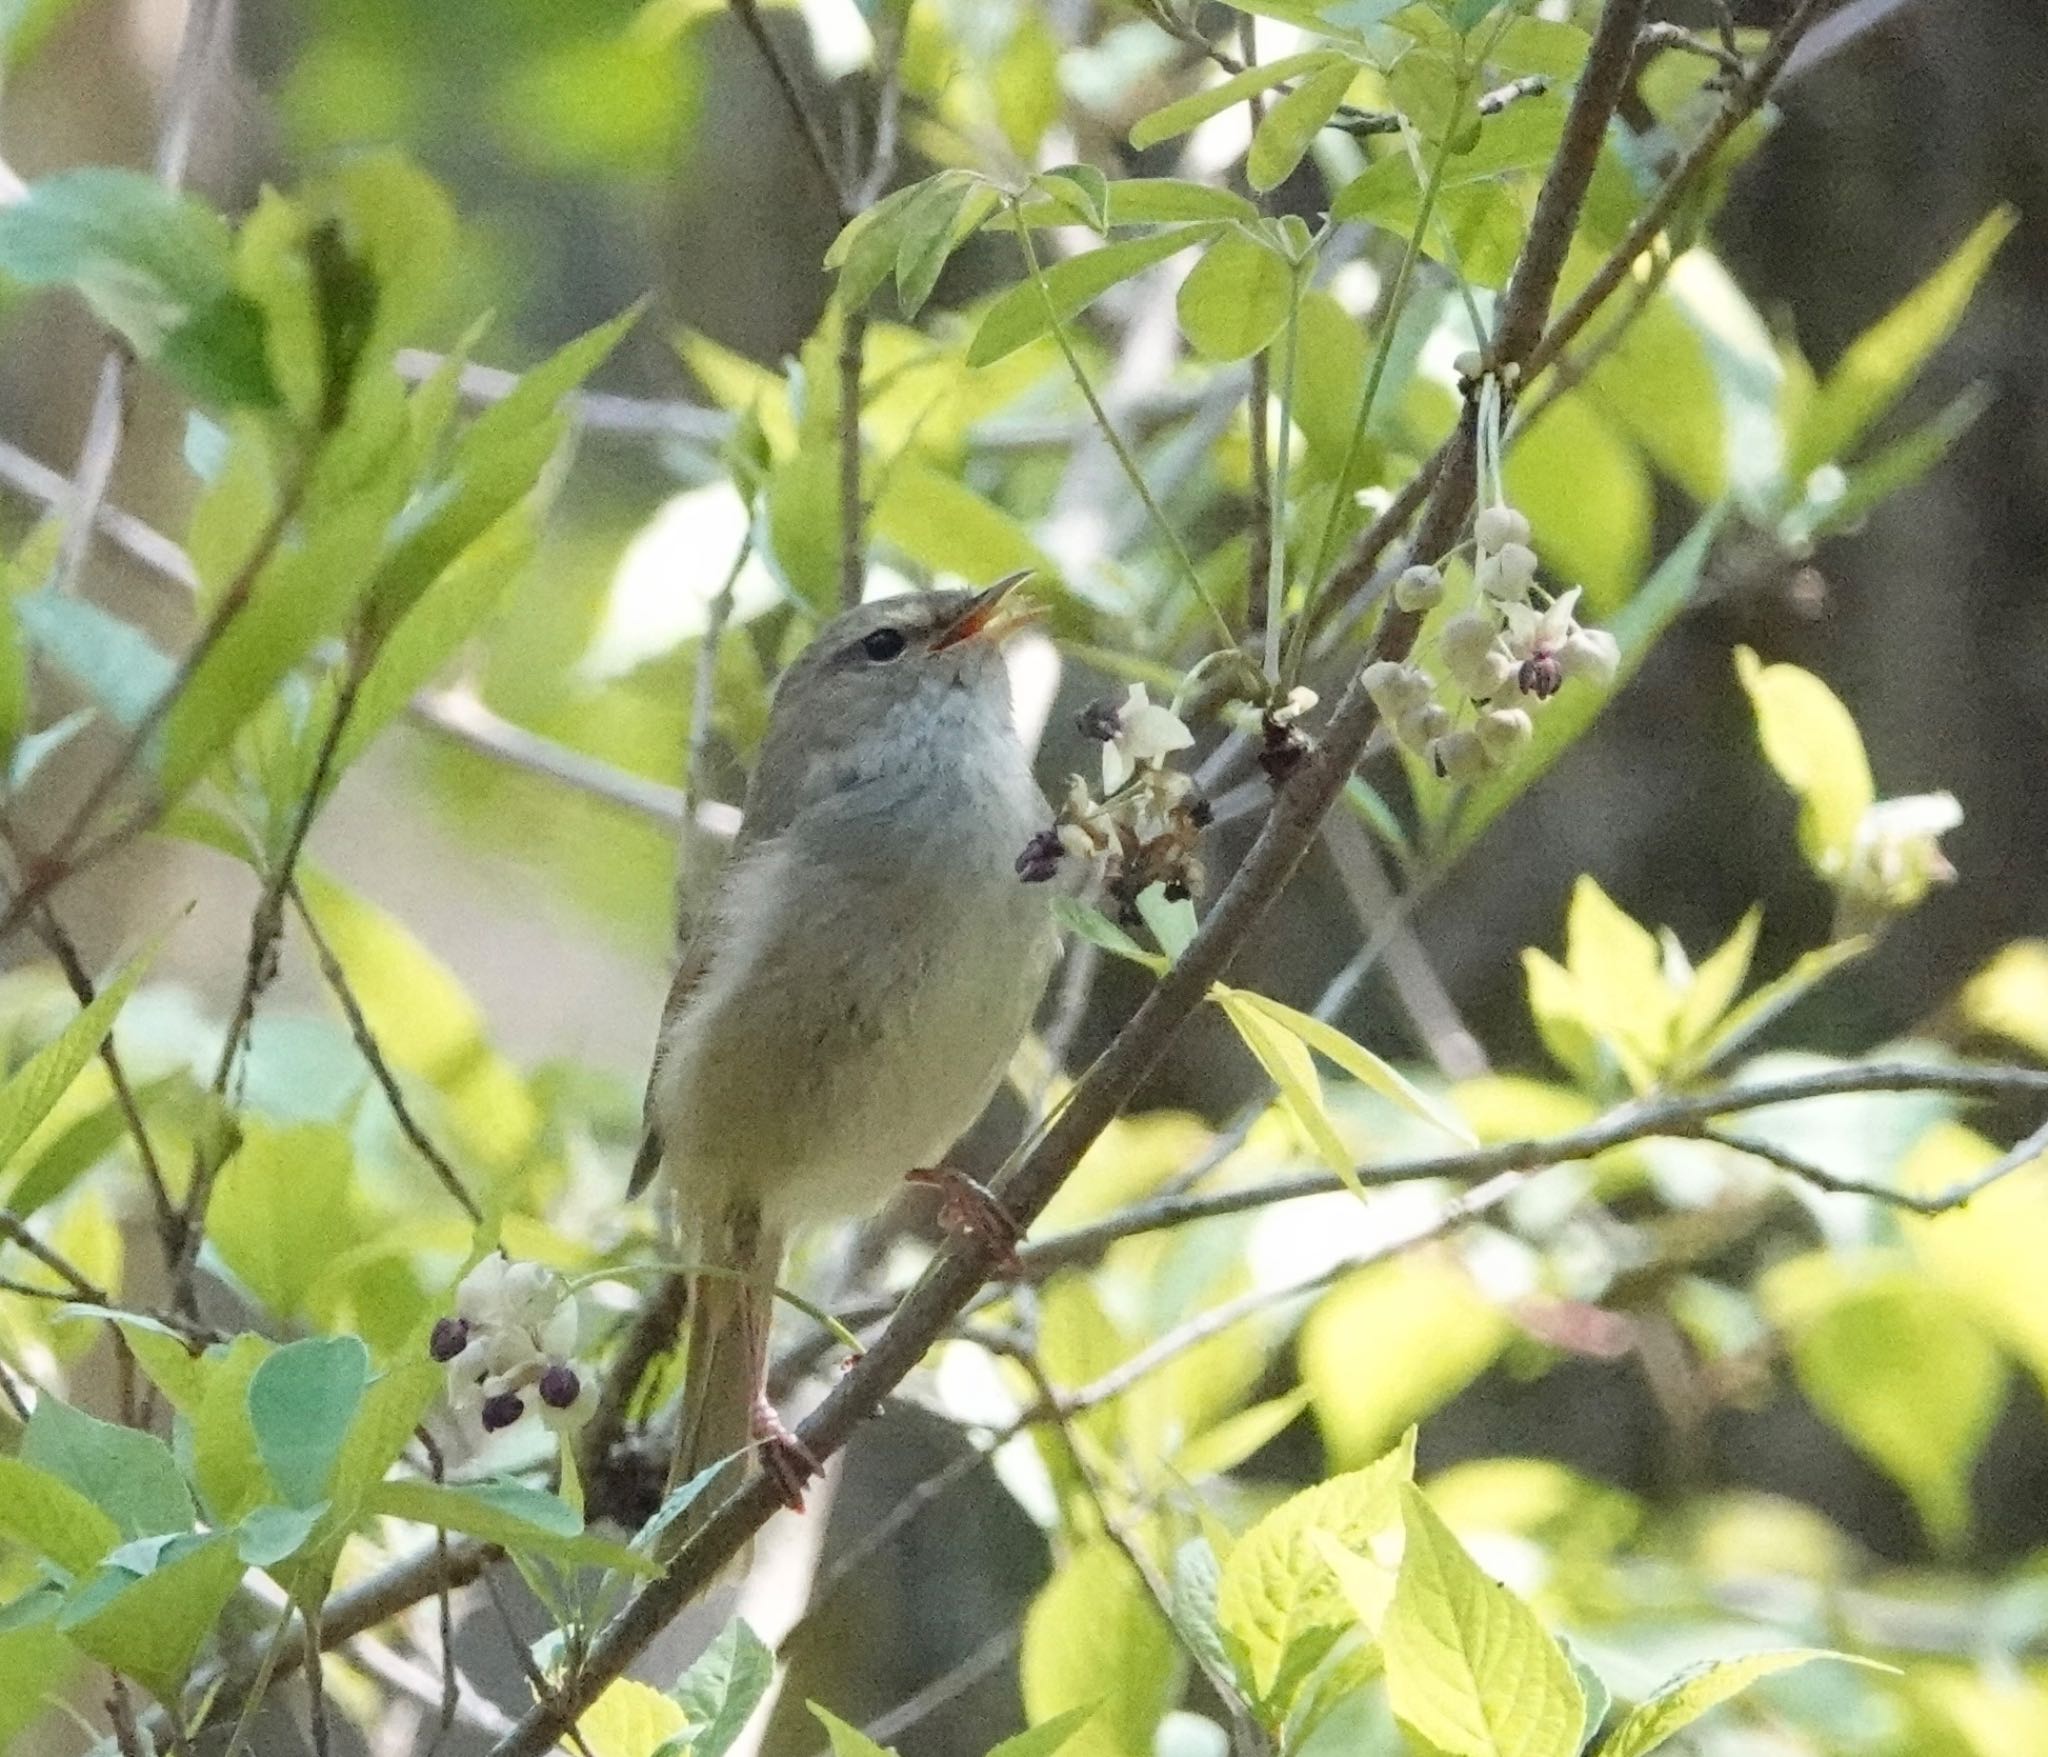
785 1460
969 1210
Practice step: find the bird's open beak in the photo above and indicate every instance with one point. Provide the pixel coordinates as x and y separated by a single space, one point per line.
988 614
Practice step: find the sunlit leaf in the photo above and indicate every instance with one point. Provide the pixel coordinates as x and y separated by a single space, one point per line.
1046 1738
129 1475
46 1514
1291 123
1469 1667
33 1090
152 1628
1021 314
525 1520
301 1402
1292 1070
1093 1636
1699 1688
723 1686
630 1720
1236 298
1883 360
1810 739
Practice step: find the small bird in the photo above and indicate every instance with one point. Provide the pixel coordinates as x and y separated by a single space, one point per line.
848 1002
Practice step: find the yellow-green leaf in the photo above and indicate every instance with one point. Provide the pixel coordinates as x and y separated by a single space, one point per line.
1189 112
1290 127
1292 1070
32 1093
50 1517
1809 738
1094 1636
1469 1667
629 1720
1277 1597
1236 299
1021 315
1362 1065
1882 361
1684 1698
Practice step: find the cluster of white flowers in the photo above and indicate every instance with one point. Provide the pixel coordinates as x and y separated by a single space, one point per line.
1505 656
1143 827
513 1335
1895 859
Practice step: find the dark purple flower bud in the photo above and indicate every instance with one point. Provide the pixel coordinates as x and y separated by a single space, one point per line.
1177 891
450 1338
559 1386
501 1411
1101 720
1200 812
1541 675
1041 857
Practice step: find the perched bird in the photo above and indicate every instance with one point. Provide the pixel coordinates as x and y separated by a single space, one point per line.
849 1001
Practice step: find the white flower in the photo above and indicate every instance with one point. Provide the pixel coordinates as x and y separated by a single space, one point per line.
1155 796
1508 574
1896 857
1503 732
1419 589
1534 633
1458 756
1418 726
1146 735
1395 688
507 1347
1591 653
1498 526
1299 700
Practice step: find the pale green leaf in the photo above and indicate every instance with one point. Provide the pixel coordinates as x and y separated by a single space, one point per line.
49 1516
723 1687
629 1720
1236 298
1093 1636
1716 983
1913 1383
1046 1738
32 1092
1292 1070
1392 1343
301 1402
1277 1598
1362 1065
509 1514
847 1740
1883 360
281 1210
1681 1700
129 1475
1469 1667
948 527
1290 126
1189 112
1757 1010
1812 743
1098 930
1021 314
225 1465
153 1627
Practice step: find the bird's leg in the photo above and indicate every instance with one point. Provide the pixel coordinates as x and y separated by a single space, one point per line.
970 1210
785 1460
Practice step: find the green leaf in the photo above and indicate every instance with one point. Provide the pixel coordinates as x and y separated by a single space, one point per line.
49 1516
301 1402
1362 1065
1288 1064
1878 366
1812 743
152 264
1191 1608
1758 1009
1567 716
392 1408
33 1091
1469 1667
113 661
153 1627
1098 930
281 1210
225 1465
1913 1383
129 1475
1891 470
524 1520
1390 1345
848 1741
1093 1636
1189 112
723 1687
1681 1700
941 523
1021 316
1081 189
270 1535
1047 1737
631 1720
1289 128
1278 1599
161 1351
1236 298
1482 220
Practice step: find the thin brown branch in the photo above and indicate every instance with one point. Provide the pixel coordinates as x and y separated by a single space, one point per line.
2028 1152
373 1055
1684 1116
81 1286
853 332
809 133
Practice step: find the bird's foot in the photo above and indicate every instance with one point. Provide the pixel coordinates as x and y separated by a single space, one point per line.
785 1460
969 1210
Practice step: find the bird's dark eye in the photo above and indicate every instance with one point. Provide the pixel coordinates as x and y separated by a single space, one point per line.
883 644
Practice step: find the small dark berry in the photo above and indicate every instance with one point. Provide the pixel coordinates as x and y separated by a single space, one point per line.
560 1387
1200 812
1177 891
1041 858
1101 720
1540 676
450 1338
501 1411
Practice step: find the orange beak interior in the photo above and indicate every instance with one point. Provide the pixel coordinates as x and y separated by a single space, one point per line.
987 613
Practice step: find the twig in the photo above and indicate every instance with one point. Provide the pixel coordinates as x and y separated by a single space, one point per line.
955 1681
853 333
107 423
652 1334
82 1288
1686 1116
380 1069
121 1717
811 136
2027 1152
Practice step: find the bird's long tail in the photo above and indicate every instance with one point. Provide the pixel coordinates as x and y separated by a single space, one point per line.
726 1364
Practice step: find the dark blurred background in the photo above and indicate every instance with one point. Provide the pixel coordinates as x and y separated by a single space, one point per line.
593 174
